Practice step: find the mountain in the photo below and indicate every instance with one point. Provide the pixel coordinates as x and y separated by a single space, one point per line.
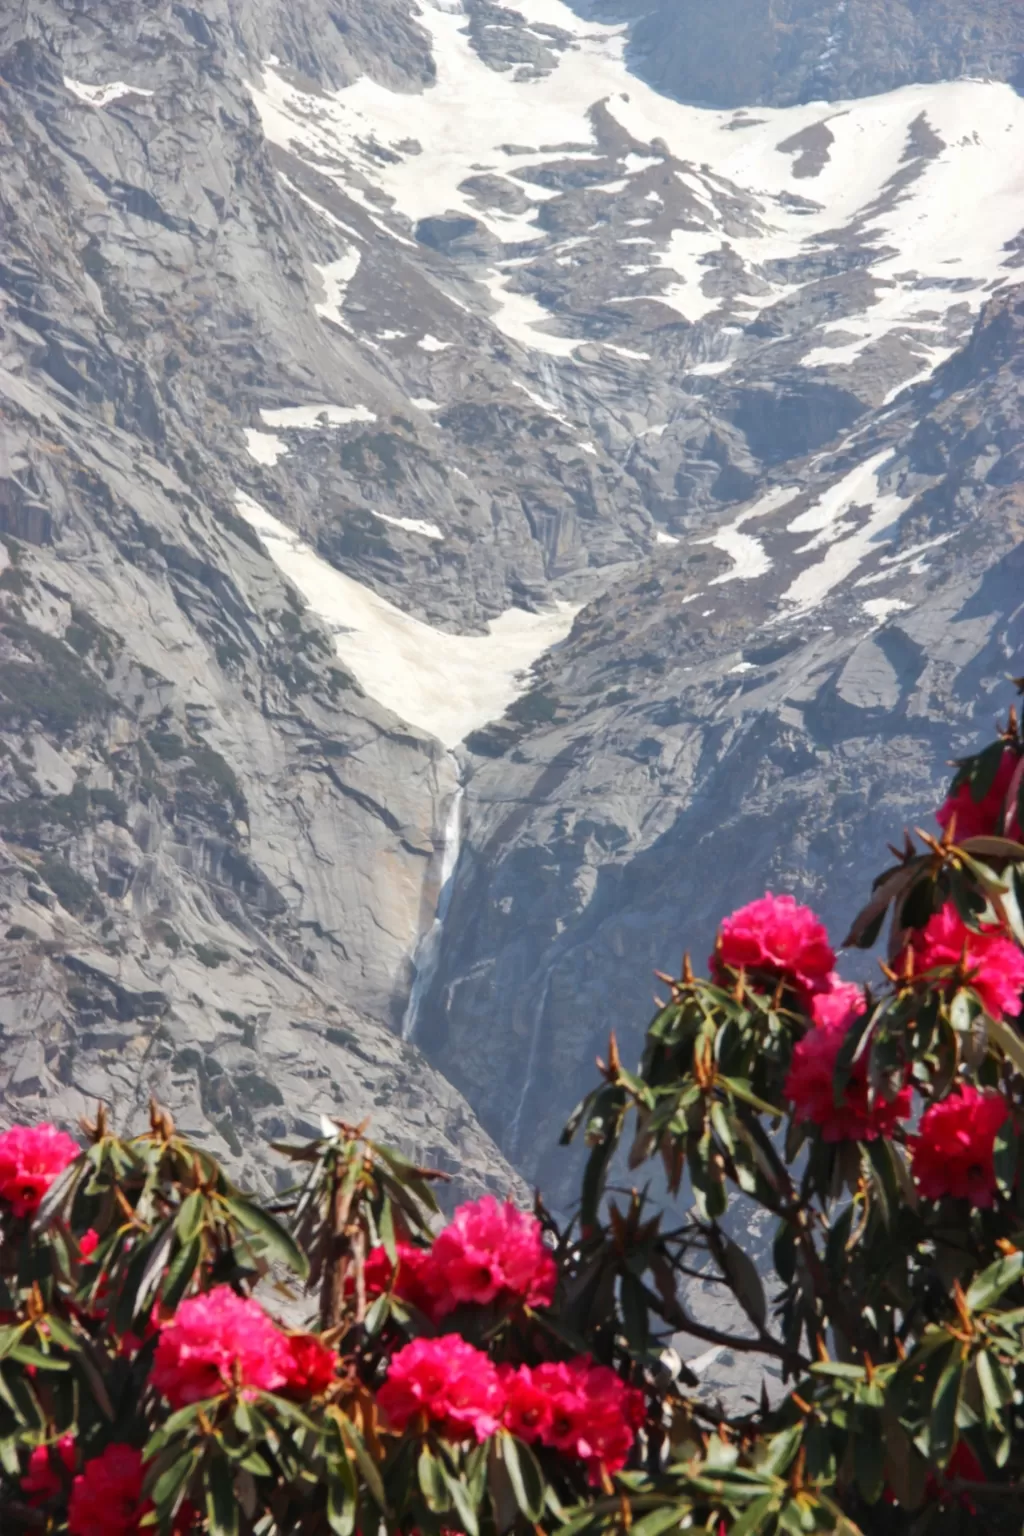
471 514
777 53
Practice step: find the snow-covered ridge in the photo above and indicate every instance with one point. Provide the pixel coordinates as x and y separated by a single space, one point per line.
447 685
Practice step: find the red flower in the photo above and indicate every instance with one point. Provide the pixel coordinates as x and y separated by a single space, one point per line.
455 1385
491 1250
778 939
528 1411
954 1148
590 1413
985 817
415 1280
42 1482
32 1157
312 1365
106 1496
994 963
810 1083
216 1342
88 1243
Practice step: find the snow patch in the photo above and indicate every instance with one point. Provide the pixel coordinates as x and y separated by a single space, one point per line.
661 537
336 277
749 553
828 517
411 525
636 357
446 685
881 607
264 447
306 418
518 316
103 95
432 344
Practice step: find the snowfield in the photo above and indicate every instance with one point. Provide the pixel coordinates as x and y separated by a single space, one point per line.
929 180
447 685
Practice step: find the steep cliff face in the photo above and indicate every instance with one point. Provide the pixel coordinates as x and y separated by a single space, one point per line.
746 53
355 361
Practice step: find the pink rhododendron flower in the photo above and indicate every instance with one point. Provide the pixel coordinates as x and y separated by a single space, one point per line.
953 1151
590 1414
88 1243
984 817
215 1342
312 1366
106 1497
528 1410
810 1083
32 1157
415 1280
42 1482
492 1250
841 1004
455 1385
995 961
777 938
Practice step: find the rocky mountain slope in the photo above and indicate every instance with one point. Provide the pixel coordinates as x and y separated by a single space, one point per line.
355 361
745 53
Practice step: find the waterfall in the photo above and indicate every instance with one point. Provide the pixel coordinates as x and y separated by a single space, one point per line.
428 950
512 1150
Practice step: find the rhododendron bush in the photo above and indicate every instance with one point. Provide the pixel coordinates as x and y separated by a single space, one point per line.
179 1356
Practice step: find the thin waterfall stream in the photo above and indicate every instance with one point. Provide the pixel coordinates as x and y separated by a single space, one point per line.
428 950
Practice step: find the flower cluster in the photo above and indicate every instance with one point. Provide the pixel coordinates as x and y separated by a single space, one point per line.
775 939
955 1146
581 1409
489 1252
455 1386
219 1342
988 816
810 1084
992 963
576 1407
32 1157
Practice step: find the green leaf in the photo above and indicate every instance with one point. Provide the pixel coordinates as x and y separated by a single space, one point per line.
342 1496
869 1464
276 1238
754 1518
994 1281
365 1462
996 1387
525 1476
221 1504
984 770
660 1520
945 1403
634 1311
745 1281
430 1475
387 1232
1008 1041
173 1479
463 1504
180 1271
189 1220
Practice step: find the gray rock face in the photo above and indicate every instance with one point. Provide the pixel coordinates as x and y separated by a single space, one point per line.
346 353
777 52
